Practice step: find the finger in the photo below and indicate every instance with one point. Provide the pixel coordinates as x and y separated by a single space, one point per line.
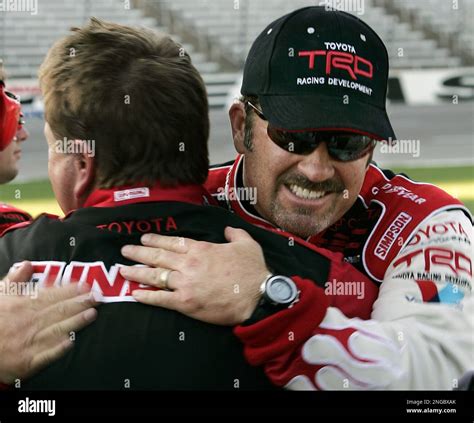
64 310
165 299
57 331
154 257
170 243
45 357
149 276
236 235
49 296
22 273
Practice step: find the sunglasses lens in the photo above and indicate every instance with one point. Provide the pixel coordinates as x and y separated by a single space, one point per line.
294 142
341 146
347 147
12 96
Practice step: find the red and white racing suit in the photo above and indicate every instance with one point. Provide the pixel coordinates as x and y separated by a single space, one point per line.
415 243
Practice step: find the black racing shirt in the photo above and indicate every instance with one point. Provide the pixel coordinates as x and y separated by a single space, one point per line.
137 345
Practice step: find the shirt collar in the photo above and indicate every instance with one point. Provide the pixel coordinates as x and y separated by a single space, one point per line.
140 193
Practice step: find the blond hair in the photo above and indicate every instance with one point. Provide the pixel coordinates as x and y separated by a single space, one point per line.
137 95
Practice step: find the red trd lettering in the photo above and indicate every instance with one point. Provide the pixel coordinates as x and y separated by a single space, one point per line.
407 258
370 68
448 258
439 256
312 55
340 60
456 261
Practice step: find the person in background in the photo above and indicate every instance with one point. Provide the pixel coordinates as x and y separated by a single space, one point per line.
40 331
12 134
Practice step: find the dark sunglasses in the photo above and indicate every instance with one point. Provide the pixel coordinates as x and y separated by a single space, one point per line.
342 146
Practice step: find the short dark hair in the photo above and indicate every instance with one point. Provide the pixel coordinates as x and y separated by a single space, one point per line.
249 119
137 94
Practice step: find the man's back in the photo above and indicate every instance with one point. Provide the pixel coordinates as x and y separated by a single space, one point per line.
132 344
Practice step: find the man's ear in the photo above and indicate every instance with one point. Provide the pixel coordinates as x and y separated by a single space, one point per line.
85 170
237 123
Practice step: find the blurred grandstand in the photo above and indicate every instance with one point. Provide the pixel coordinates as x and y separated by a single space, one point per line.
228 27
430 44
218 34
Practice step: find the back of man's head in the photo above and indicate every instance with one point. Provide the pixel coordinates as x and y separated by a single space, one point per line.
137 96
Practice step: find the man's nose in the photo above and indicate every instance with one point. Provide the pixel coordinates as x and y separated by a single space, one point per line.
317 166
22 134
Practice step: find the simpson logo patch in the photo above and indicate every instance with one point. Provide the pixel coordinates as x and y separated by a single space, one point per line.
391 234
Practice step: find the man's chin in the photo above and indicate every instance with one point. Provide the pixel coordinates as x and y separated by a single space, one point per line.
302 225
302 221
8 176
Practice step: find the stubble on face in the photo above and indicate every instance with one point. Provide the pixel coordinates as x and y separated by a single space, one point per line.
306 221
270 170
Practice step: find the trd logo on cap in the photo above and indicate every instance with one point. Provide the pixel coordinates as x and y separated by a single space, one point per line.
351 62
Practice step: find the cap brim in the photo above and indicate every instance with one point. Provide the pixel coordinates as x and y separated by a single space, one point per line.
310 112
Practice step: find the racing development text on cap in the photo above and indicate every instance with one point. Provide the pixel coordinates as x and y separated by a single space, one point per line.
320 69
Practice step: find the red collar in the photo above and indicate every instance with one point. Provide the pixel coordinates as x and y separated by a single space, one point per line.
124 195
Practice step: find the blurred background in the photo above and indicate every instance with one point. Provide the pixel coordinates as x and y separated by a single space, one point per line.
431 88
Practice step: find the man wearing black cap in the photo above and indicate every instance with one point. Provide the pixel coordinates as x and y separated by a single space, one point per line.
312 111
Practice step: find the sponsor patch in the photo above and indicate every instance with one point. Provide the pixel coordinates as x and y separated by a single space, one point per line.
107 284
449 294
391 234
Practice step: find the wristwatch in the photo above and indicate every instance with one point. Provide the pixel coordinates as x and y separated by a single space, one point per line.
277 293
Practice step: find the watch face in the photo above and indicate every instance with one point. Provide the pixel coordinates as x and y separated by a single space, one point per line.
281 290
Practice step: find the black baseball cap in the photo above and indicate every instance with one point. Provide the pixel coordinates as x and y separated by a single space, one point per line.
320 68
